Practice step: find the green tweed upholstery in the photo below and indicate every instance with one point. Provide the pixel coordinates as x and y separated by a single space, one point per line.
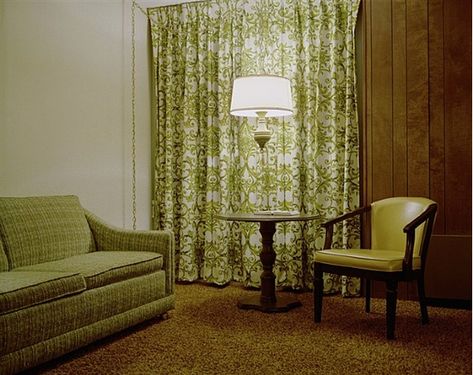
111 279
41 229
56 346
44 321
19 290
109 238
3 258
101 268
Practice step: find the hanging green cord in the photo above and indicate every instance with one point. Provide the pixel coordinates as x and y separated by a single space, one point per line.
133 122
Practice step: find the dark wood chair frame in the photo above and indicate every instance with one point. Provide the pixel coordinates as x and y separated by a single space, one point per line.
391 278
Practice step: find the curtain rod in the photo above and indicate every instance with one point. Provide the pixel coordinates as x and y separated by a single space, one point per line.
178 4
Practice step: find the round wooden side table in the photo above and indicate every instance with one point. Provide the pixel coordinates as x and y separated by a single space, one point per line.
268 301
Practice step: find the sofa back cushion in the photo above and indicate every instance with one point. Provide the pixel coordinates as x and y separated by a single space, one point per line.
41 229
3 257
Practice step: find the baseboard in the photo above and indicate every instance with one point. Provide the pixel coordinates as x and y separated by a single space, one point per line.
449 303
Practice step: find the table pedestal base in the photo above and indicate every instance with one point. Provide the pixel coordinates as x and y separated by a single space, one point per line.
282 304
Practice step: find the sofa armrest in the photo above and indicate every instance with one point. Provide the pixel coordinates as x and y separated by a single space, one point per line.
110 238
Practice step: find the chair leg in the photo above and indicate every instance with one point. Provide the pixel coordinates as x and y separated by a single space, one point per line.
423 305
391 299
318 293
367 295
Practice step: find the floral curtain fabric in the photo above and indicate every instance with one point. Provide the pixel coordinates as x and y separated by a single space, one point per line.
206 161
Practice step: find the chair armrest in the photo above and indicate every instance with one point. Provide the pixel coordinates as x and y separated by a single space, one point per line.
110 238
328 225
410 228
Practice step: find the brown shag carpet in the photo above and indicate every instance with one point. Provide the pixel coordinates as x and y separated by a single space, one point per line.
208 334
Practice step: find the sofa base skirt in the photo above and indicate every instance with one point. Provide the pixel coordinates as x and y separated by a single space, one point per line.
59 345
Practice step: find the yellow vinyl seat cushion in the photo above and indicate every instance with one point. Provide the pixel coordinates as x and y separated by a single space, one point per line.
368 259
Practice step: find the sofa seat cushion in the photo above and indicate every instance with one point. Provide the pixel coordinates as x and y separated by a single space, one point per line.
19 290
101 268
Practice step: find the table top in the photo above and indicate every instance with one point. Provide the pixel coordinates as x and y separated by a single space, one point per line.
259 217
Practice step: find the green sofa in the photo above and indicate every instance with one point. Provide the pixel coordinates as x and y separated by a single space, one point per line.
68 279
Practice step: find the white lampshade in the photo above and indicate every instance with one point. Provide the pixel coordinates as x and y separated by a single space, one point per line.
261 93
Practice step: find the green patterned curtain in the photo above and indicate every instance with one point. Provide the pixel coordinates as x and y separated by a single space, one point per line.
206 161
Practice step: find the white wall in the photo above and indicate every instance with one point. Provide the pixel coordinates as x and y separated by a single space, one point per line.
65 104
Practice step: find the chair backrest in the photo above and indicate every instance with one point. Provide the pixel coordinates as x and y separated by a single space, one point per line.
41 229
388 218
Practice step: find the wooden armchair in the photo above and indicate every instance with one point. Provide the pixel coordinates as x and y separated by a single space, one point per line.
400 233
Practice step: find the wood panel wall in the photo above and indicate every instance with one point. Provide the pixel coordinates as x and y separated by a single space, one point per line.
416 113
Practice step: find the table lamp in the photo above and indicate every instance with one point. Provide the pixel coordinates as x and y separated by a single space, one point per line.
261 96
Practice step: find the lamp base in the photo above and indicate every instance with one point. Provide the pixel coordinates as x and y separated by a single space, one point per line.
262 134
277 213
